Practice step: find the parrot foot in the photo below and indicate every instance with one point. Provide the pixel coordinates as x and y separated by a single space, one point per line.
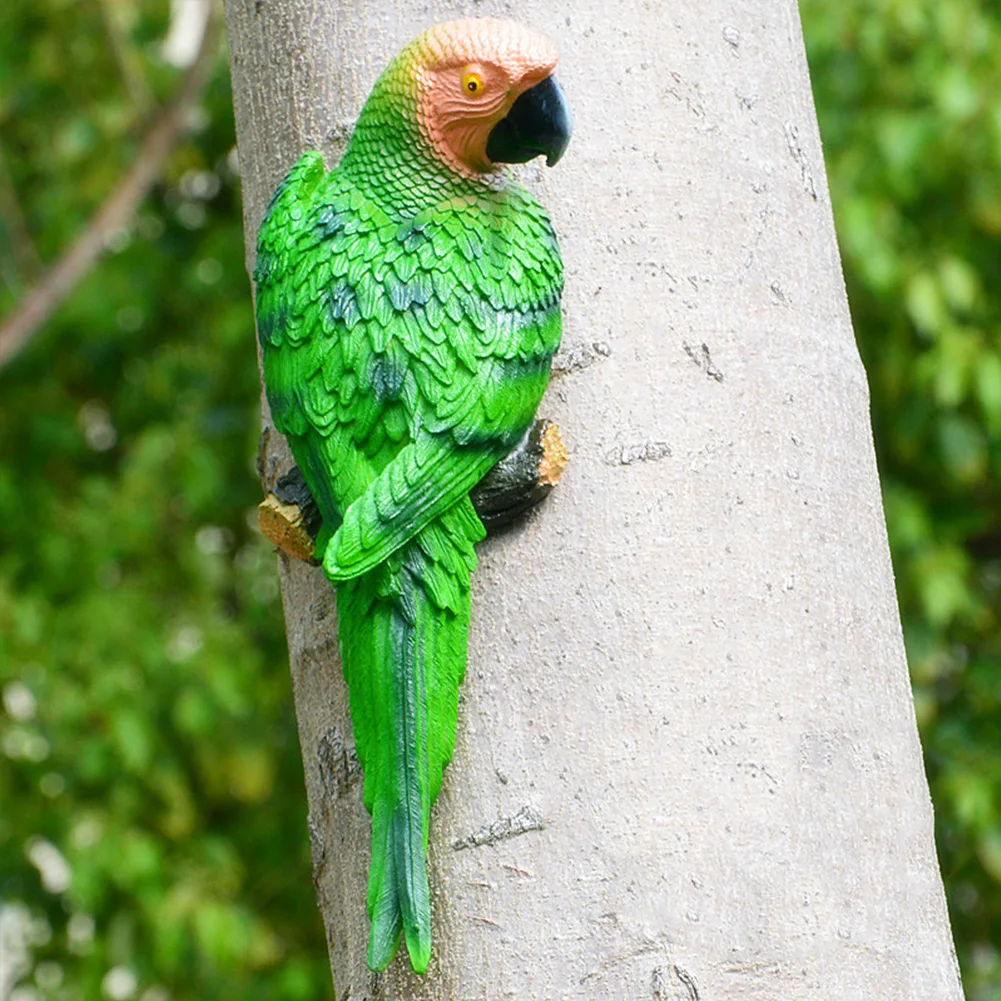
522 478
289 517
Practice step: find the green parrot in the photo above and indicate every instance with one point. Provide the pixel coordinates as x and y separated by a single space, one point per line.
408 308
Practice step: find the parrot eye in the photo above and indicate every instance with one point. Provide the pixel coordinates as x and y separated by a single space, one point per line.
472 83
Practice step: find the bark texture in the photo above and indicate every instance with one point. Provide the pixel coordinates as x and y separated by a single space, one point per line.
687 764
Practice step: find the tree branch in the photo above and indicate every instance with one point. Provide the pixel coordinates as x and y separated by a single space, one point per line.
689 669
118 208
25 255
128 63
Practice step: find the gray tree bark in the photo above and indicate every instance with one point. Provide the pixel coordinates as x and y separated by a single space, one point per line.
687 763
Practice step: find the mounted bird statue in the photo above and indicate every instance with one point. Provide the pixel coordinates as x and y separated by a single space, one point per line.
408 308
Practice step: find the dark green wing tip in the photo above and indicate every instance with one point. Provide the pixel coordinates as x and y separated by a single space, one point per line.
420 953
384 941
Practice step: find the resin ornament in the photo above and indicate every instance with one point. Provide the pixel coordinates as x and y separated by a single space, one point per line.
408 308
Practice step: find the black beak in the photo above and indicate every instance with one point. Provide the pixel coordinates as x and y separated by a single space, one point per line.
538 122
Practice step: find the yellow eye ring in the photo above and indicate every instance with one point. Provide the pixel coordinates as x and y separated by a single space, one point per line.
472 83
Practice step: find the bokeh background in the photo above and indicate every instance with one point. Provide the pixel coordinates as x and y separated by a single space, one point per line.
152 814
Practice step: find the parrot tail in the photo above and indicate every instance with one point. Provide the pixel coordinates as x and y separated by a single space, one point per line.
404 628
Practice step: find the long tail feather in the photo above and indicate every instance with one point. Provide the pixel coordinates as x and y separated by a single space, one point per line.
403 630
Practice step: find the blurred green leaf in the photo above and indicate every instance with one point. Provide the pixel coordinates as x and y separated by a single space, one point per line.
137 607
142 614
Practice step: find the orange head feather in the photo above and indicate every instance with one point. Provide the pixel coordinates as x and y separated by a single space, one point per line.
469 73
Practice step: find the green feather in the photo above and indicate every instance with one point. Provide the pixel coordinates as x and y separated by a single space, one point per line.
407 318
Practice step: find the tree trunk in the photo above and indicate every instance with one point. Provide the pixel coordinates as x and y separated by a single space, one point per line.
687 762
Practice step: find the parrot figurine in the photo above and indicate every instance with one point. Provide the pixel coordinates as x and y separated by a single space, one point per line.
408 308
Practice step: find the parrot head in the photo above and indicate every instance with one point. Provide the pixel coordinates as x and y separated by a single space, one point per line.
486 95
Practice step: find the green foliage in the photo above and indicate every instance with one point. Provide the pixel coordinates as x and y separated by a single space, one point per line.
153 834
907 99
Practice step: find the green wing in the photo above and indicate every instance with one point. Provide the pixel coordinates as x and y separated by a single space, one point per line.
402 359
377 333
